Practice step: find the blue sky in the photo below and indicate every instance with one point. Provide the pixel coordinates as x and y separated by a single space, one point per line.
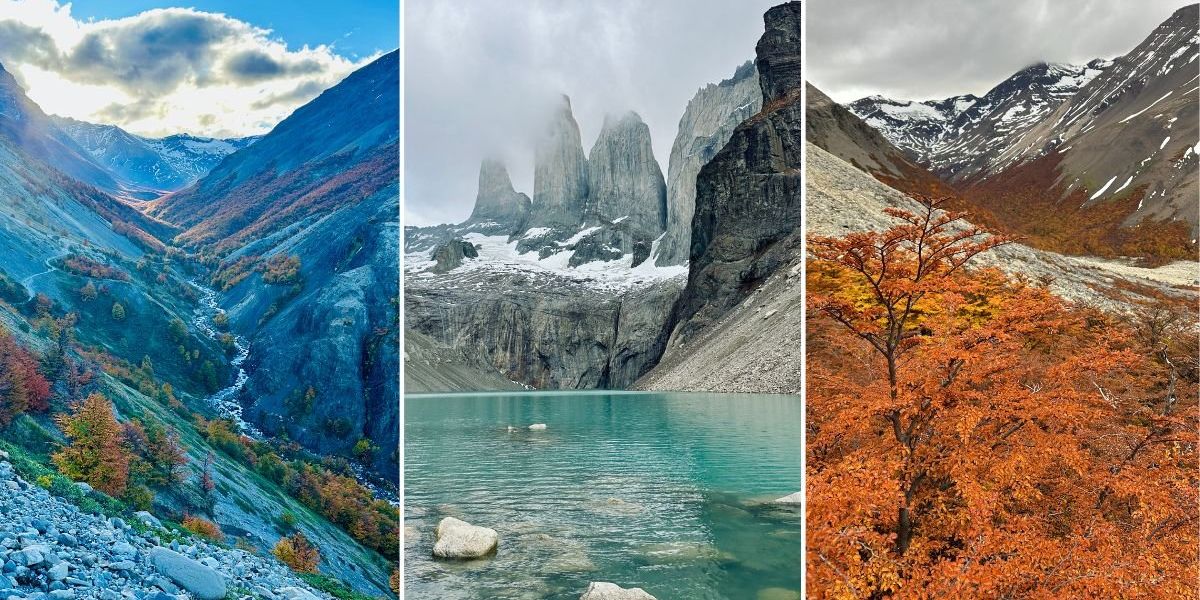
220 68
355 28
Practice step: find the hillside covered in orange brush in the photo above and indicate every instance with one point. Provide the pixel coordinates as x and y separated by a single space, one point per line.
971 435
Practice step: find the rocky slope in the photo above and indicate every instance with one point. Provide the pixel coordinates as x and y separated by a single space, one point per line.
748 197
305 226
709 120
163 164
963 136
755 347
50 549
1129 132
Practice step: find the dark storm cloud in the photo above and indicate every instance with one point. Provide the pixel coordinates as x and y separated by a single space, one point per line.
23 43
921 49
254 65
159 58
479 75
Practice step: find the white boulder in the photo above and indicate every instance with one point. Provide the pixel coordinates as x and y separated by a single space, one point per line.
601 590
459 539
537 426
796 498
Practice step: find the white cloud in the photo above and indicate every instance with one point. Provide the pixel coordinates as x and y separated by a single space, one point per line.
162 71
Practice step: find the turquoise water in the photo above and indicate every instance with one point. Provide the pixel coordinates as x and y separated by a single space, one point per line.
667 492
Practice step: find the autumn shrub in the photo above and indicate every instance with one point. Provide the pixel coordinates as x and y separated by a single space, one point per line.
96 452
23 387
83 265
203 528
297 553
971 435
281 269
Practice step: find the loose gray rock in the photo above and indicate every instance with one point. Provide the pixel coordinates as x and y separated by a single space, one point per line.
199 580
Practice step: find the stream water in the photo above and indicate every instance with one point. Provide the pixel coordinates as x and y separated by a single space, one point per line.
225 401
668 492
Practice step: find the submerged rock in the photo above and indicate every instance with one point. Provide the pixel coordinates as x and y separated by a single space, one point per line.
776 593
796 498
601 590
537 426
459 539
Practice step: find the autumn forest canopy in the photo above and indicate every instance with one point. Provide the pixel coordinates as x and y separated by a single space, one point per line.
971 435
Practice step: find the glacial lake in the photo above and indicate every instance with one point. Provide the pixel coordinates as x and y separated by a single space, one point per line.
667 492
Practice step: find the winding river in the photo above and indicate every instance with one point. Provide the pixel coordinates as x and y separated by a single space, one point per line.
225 401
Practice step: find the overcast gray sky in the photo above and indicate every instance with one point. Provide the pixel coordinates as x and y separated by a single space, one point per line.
479 73
923 49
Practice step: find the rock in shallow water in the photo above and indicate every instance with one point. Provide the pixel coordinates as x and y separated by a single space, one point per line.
459 539
796 498
537 426
601 590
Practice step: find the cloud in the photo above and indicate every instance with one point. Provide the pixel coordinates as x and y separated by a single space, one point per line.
923 49
162 71
480 74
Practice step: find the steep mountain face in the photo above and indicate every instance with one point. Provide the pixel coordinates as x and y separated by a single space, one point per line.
962 137
1130 132
497 202
624 180
165 164
304 224
342 144
748 197
560 177
24 125
565 298
709 120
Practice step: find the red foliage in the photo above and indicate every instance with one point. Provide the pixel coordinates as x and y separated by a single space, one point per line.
23 388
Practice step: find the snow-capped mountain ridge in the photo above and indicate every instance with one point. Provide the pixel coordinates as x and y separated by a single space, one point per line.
167 164
961 136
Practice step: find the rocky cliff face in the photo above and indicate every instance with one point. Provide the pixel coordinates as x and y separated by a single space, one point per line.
624 180
543 331
496 201
560 179
710 118
748 198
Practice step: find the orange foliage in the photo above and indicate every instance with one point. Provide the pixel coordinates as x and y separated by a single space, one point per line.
203 528
972 436
297 553
1029 200
98 453
82 265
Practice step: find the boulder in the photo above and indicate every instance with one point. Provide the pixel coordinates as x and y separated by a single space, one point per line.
796 498
459 539
601 590
199 580
147 518
537 426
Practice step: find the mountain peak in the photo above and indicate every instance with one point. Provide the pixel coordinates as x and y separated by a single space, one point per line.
779 51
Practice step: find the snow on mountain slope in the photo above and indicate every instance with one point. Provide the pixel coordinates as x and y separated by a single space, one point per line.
165 164
962 136
1132 130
